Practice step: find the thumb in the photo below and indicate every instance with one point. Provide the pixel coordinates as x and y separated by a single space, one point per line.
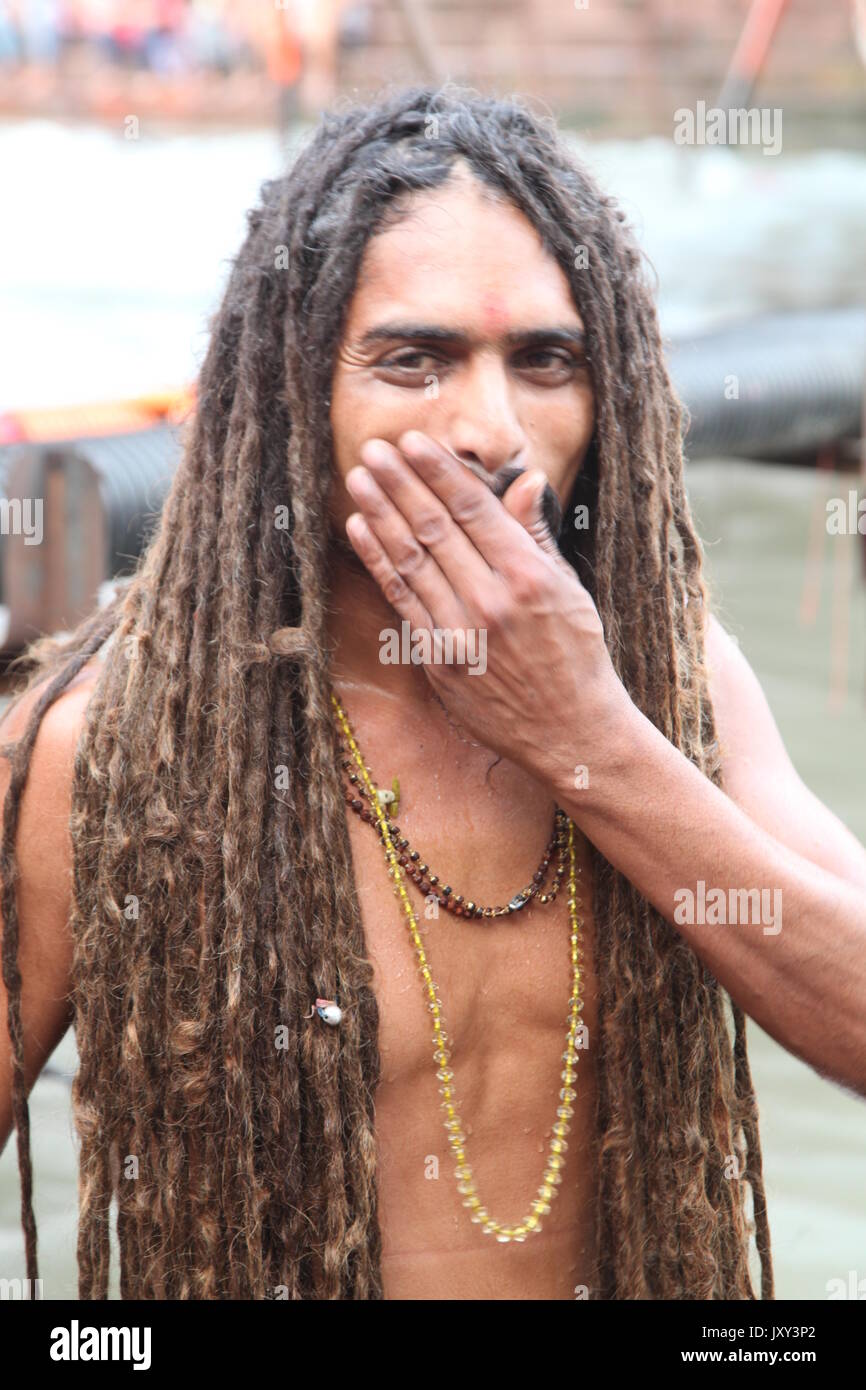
532 501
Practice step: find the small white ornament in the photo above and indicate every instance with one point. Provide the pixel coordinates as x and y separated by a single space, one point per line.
327 1010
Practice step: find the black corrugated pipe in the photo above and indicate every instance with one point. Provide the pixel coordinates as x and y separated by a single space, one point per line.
775 387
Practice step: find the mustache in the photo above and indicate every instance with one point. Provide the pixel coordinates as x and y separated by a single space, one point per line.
500 482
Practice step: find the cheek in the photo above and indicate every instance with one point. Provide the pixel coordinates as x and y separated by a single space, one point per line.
363 408
346 414
562 442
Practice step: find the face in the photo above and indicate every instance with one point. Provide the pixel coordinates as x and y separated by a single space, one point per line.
462 326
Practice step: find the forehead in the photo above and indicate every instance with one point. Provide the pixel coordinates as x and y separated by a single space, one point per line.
458 256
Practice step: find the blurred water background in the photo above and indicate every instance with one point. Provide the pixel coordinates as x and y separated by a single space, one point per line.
112 255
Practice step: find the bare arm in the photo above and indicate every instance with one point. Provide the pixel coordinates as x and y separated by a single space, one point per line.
800 970
44 857
446 553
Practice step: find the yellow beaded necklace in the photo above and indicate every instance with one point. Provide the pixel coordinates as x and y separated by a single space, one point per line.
456 1137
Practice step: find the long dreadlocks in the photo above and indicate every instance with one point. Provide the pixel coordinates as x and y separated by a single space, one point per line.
206 912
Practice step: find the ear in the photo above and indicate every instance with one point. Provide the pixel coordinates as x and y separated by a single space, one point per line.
526 501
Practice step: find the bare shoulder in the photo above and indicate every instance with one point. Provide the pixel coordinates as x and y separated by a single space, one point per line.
56 740
757 769
744 721
43 851
43 847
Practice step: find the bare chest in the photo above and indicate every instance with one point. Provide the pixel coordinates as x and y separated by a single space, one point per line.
504 986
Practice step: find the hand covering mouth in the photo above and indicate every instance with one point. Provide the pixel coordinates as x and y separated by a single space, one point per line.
501 481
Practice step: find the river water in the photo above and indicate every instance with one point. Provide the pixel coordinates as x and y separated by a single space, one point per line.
107 274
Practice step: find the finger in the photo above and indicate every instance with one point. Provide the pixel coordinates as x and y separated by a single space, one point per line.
394 588
469 501
430 520
414 565
532 501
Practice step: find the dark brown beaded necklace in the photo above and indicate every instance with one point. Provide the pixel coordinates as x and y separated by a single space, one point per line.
428 883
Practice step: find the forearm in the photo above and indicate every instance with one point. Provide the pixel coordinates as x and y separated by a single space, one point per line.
793 956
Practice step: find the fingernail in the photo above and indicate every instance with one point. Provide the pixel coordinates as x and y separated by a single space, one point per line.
374 451
358 480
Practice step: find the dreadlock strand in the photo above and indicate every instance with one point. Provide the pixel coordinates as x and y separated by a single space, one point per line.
257 1165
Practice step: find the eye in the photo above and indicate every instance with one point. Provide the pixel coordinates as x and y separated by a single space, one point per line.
411 360
547 360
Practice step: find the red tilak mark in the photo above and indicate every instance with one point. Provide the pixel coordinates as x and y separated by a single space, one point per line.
494 314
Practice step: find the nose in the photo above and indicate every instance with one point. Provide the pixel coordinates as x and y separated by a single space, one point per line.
483 428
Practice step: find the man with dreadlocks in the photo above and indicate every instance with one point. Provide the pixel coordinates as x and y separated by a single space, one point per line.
297 890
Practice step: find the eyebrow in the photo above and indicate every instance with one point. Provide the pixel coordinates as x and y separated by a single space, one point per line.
435 333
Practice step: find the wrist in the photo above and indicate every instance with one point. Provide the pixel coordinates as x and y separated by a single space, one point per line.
586 767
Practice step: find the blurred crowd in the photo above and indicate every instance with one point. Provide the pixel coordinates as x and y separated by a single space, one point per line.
173 37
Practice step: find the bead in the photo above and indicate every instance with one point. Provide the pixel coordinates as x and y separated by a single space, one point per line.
562 841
